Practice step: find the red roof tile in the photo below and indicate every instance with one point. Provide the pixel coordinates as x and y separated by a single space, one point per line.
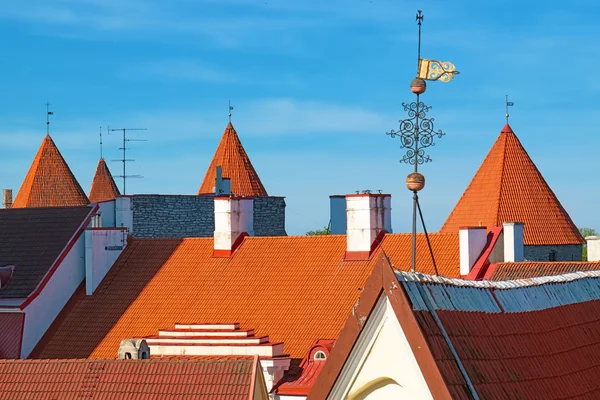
11 331
530 269
170 378
32 239
103 185
295 289
310 369
49 182
236 166
509 188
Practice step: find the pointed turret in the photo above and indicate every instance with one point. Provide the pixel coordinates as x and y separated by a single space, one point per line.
103 185
509 188
49 182
236 166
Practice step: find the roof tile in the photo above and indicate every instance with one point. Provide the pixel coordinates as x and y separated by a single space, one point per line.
236 166
49 182
531 269
103 185
509 188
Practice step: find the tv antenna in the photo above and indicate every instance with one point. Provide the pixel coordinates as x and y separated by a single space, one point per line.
124 160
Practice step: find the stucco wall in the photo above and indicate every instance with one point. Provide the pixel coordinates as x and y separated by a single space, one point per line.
570 252
193 216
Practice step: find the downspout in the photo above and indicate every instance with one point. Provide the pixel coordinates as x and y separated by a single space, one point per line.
429 303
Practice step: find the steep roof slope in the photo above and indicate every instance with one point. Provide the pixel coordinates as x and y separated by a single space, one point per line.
295 289
103 185
31 239
509 188
49 182
172 378
236 166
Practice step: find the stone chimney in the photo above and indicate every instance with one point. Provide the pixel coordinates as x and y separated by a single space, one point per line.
7 198
513 242
368 218
472 241
234 219
593 248
134 349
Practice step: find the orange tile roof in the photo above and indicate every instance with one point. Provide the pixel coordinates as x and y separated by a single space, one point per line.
236 166
103 185
171 378
509 188
532 269
295 289
49 182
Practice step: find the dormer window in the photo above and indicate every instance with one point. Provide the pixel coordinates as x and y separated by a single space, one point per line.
5 274
320 355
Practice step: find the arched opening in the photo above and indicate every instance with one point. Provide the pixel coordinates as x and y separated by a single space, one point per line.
128 356
320 355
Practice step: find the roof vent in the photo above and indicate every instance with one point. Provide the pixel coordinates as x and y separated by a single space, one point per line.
134 349
5 274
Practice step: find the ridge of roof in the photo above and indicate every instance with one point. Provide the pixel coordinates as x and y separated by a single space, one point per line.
103 185
49 181
496 194
236 166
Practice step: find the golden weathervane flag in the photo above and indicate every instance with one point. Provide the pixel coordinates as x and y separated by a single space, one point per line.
433 70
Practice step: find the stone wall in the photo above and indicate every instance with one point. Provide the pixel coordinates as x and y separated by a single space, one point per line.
568 252
174 216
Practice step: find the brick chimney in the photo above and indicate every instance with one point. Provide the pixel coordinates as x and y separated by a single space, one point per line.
234 219
368 217
472 241
7 198
513 241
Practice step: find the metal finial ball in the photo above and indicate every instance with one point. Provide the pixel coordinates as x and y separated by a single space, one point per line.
415 181
418 86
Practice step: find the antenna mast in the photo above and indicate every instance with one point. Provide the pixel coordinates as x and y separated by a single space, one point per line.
124 160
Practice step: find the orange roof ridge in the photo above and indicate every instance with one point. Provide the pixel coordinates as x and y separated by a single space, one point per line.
103 185
49 181
236 166
508 187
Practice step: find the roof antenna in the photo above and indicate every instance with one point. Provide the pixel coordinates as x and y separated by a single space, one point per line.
508 104
48 114
230 110
124 160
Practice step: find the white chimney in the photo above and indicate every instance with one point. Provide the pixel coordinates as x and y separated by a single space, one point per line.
593 248
367 216
513 242
472 241
234 216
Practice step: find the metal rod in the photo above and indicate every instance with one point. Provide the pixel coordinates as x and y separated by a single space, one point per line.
426 235
124 161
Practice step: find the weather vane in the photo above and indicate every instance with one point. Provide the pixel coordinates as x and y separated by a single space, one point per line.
417 132
48 114
230 110
508 104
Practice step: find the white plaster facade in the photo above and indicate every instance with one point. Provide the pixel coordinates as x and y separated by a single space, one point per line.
472 242
102 248
367 215
381 365
233 216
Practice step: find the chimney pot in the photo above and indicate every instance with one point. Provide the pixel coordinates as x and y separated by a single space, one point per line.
472 241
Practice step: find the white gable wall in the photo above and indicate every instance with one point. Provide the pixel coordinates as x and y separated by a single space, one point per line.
381 365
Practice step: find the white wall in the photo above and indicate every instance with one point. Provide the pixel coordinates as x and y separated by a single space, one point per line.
124 213
382 351
102 248
40 313
107 208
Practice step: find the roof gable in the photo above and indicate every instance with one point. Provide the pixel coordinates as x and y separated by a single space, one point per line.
236 166
49 181
508 187
103 185
295 289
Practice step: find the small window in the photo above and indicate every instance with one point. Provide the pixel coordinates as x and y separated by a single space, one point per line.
144 356
552 255
128 356
320 355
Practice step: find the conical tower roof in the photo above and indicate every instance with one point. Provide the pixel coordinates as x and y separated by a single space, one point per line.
509 188
235 165
103 185
49 182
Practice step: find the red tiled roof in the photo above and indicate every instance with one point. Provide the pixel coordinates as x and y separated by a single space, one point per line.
49 182
170 378
310 370
236 166
103 185
11 331
509 188
32 239
295 289
532 269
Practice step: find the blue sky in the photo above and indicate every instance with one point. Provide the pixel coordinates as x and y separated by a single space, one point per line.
315 86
